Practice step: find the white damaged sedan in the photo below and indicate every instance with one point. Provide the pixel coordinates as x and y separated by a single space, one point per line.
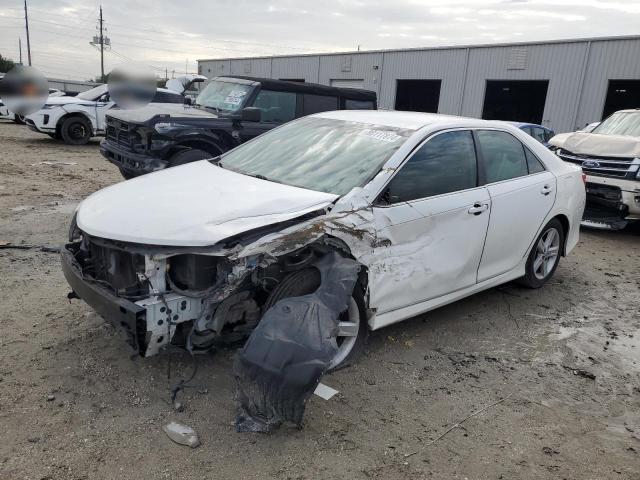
433 208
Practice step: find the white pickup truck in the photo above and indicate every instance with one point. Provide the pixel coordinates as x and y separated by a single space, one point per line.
610 156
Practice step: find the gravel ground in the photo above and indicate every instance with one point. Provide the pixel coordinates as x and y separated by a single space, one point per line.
74 404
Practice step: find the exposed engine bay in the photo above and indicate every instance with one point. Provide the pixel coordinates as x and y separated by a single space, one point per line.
180 296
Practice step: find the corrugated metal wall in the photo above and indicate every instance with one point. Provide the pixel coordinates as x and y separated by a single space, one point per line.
578 73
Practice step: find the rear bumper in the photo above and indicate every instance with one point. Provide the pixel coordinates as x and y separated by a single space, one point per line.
121 313
132 163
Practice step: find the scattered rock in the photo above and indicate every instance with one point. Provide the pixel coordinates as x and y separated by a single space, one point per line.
182 434
51 398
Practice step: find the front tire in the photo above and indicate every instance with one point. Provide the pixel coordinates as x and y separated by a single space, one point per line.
76 131
353 329
544 256
190 155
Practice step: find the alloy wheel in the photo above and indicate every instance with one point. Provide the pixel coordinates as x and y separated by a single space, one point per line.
348 328
547 252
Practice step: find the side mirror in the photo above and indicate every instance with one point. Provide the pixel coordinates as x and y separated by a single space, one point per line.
251 114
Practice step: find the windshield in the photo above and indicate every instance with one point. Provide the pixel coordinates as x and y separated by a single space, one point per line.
223 96
620 123
92 94
321 154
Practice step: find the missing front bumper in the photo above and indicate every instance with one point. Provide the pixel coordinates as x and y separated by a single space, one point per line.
121 313
150 324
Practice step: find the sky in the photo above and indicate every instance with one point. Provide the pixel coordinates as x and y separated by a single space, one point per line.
171 35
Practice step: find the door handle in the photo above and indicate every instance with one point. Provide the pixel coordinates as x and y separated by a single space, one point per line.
546 190
478 208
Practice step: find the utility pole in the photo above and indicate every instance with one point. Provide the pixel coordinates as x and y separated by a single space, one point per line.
20 49
26 23
101 47
100 41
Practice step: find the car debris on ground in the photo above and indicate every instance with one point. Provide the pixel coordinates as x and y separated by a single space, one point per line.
182 434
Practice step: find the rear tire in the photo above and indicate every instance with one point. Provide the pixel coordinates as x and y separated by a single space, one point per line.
76 131
307 281
188 156
544 256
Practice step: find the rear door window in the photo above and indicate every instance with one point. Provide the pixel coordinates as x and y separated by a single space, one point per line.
446 163
318 103
503 155
278 107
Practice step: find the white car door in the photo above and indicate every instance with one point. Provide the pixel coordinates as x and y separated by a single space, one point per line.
522 194
431 224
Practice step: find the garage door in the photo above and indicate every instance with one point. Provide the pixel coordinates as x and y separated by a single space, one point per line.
418 95
515 100
347 83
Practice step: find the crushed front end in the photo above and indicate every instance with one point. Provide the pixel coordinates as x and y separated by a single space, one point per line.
613 188
197 298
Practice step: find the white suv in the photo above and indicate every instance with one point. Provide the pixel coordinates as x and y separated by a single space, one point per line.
76 119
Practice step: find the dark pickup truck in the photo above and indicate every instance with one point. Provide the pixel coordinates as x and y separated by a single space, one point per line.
228 112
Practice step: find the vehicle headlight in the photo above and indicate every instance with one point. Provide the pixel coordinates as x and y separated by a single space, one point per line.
165 127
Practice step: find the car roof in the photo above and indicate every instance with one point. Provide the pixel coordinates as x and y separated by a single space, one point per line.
407 120
305 87
525 124
628 110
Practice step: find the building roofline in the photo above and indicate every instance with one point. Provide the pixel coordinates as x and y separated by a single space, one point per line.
422 49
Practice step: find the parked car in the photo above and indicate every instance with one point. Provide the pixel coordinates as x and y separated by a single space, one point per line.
6 114
610 156
76 119
229 111
540 133
434 208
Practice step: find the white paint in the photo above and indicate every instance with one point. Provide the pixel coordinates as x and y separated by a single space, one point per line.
419 255
197 204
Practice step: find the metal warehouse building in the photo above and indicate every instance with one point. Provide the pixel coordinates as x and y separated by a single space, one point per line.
561 84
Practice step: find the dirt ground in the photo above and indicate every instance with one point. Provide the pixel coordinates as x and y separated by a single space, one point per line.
74 404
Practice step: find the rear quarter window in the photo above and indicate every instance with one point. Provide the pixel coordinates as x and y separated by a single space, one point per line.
318 103
358 104
164 97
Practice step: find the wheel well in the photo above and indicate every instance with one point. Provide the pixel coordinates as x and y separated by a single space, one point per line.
70 115
202 145
564 221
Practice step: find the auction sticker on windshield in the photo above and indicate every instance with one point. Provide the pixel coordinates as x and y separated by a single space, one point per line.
383 135
235 97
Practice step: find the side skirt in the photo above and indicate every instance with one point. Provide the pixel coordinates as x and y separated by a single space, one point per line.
377 321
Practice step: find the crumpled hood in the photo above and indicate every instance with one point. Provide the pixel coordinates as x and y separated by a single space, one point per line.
197 204
599 145
169 110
